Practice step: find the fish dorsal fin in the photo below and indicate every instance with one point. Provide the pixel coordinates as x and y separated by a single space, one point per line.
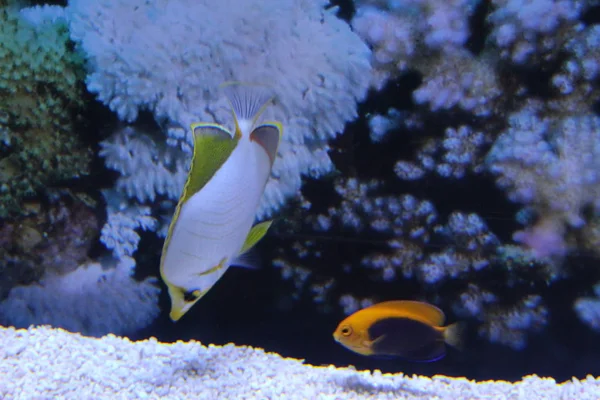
213 144
268 137
247 101
256 233
413 309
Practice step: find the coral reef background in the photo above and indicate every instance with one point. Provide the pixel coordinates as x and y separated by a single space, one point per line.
444 151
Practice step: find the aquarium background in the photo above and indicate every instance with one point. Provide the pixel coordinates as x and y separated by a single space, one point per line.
443 151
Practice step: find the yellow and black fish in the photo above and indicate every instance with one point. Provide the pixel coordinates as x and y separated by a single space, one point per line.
406 329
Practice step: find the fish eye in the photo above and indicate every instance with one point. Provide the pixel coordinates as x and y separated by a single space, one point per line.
346 331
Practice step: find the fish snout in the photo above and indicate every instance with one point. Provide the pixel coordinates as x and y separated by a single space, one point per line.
336 337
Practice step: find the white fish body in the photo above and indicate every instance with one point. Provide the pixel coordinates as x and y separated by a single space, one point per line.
213 221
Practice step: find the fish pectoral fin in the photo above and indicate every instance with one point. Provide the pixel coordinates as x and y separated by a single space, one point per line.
256 233
213 144
268 136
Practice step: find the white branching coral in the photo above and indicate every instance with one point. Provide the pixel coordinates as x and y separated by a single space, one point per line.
171 56
148 168
119 234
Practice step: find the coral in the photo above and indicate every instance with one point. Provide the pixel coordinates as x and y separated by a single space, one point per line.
472 91
190 371
138 61
428 36
588 309
401 243
524 30
508 325
502 90
460 151
146 166
462 146
549 164
406 226
511 326
410 223
514 258
473 301
119 232
459 80
351 304
471 247
379 125
90 299
393 38
582 67
40 96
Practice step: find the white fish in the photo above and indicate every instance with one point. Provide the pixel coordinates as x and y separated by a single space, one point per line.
212 224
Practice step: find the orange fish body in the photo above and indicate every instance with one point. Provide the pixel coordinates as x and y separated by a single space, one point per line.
408 329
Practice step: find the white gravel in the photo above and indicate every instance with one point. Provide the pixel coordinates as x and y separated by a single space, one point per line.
46 363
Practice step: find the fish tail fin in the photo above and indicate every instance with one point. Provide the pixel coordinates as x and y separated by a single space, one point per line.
454 335
247 100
